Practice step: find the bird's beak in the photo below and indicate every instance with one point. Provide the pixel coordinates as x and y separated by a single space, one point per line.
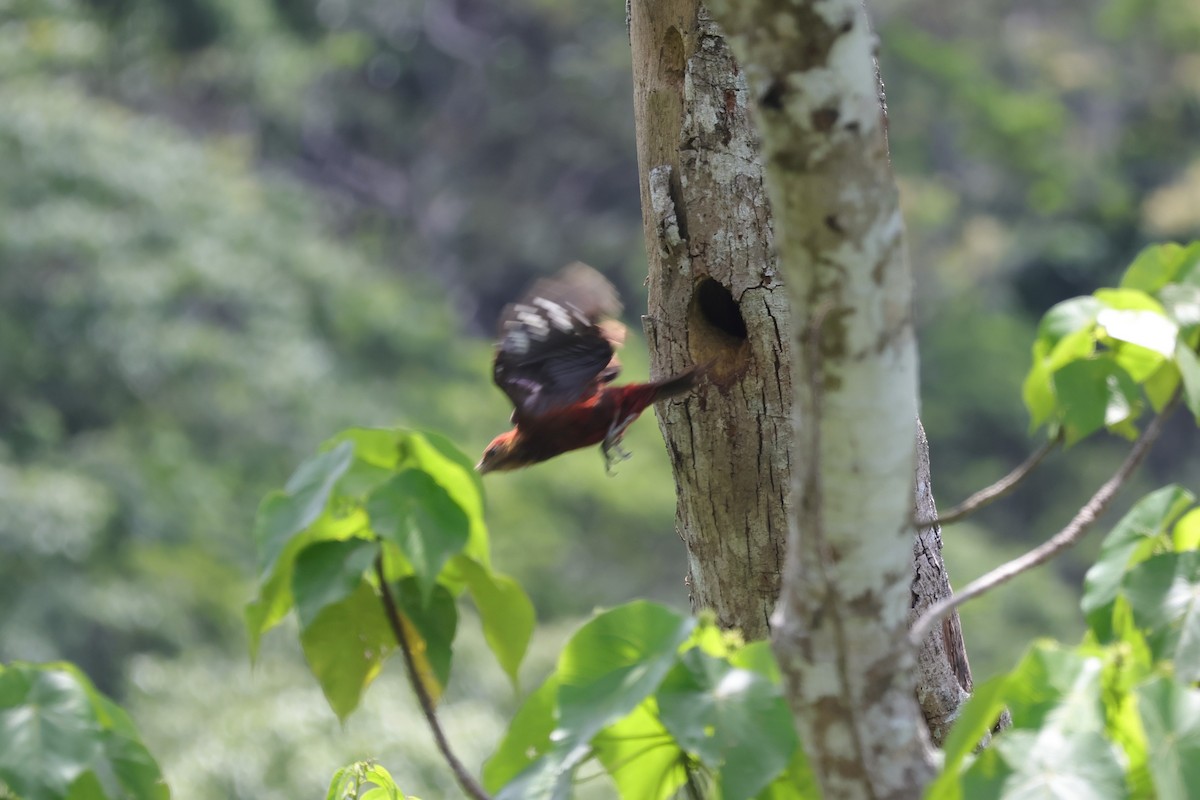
482 468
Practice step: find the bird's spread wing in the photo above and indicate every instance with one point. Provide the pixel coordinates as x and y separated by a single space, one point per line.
557 343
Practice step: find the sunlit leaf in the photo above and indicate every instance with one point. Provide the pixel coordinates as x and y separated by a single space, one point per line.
1065 318
506 613
1164 593
1187 532
640 756
1131 540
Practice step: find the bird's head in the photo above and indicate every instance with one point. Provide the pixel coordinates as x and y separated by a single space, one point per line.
504 453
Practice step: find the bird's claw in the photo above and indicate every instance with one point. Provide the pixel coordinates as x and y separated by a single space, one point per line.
614 454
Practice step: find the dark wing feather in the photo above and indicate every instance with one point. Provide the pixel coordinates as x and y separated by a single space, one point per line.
553 347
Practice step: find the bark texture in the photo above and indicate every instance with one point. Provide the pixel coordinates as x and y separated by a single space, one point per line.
840 631
714 297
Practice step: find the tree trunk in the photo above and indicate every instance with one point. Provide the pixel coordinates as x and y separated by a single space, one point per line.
854 570
714 297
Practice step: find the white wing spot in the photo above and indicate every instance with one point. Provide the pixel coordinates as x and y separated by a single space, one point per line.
535 322
559 317
517 341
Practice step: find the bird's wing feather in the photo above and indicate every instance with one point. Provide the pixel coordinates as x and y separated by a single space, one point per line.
556 343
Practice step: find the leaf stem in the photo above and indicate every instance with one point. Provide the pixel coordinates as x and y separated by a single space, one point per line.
465 779
1068 536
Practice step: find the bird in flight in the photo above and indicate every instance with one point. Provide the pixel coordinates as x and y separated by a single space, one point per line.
555 359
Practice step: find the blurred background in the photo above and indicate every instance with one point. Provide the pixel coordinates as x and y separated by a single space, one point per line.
230 228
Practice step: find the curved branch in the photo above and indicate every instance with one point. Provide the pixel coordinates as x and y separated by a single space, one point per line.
465 779
1068 536
989 494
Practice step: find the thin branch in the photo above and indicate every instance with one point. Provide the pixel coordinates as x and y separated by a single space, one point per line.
989 494
465 779
1068 536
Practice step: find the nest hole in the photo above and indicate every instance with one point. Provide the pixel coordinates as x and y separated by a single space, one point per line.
717 331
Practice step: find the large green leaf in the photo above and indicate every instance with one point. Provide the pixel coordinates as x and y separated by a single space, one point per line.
614 662
1094 393
505 610
735 720
61 738
1171 718
1164 593
414 512
1065 318
975 721
1132 540
345 645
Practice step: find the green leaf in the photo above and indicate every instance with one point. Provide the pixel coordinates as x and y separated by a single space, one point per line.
640 756
1171 718
346 645
505 610
614 662
1161 385
1187 532
735 720
1158 265
527 737
61 738
1092 394
1065 318
275 588
282 515
1125 300
1164 593
1130 541
414 512
1189 369
328 572
1049 764
50 732
975 721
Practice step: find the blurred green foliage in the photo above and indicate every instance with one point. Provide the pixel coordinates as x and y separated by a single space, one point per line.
231 227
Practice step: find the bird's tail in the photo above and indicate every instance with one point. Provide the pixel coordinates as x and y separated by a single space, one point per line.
679 384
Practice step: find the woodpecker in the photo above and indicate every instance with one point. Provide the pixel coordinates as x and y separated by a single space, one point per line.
555 359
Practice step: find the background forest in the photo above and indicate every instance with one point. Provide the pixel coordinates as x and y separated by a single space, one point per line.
230 228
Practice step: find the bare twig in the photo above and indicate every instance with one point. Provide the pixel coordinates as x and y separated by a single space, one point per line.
465 779
989 494
1069 535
